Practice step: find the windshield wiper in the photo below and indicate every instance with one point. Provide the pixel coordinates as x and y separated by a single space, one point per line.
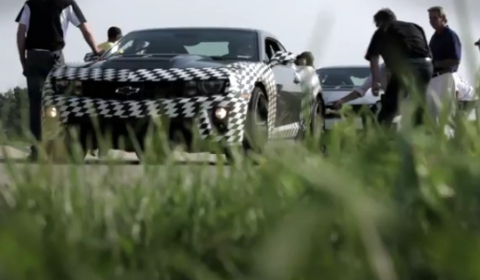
218 57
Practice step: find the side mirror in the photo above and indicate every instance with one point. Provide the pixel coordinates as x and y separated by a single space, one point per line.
282 57
89 57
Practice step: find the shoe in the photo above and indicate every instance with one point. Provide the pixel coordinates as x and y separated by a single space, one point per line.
33 154
33 157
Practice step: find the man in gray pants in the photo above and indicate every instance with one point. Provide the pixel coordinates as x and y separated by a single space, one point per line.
42 26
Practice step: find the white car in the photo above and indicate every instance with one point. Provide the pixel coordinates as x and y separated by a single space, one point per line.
339 81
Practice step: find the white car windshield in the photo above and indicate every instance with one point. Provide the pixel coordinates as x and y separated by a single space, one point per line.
216 43
343 77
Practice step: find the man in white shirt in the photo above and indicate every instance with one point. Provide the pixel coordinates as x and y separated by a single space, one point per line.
464 91
436 100
362 90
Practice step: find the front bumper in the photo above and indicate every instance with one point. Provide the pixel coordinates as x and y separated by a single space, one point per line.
75 109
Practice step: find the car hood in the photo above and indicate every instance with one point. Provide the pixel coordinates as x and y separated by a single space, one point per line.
157 62
333 95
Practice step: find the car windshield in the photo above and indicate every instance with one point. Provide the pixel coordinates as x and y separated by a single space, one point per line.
219 44
343 77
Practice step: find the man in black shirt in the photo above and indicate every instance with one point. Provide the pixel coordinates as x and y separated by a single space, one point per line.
42 27
405 51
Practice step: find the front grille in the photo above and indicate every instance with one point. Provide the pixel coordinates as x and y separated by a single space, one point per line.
147 90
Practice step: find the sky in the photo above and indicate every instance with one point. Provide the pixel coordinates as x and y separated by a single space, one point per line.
336 31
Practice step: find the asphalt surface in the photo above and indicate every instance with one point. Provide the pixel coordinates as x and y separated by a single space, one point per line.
14 167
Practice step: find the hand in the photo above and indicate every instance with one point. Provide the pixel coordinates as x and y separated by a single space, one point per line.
337 104
24 63
97 51
375 88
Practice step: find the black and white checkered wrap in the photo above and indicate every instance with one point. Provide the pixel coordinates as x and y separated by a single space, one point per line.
283 57
287 131
242 77
141 75
79 107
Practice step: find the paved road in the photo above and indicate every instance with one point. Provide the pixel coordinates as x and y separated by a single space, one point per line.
128 170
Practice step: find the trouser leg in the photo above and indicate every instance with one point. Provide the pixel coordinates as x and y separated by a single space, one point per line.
422 74
35 85
389 103
38 65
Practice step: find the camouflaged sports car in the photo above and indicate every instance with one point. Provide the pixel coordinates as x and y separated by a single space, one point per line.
223 85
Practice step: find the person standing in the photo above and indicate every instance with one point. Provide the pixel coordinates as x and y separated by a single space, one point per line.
403 47
446 53
114 34
42 27
309 58
300 60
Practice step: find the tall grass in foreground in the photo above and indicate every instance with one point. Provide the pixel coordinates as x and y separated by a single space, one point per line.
379 206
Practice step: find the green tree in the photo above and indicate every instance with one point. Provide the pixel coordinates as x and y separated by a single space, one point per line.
13 113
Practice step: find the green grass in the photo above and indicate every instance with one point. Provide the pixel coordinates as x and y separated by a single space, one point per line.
380 206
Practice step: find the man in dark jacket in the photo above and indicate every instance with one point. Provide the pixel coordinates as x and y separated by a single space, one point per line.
405 51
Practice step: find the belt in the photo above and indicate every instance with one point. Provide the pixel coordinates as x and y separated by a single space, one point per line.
43 50
420 59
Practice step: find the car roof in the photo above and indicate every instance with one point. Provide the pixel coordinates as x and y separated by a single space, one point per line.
203 28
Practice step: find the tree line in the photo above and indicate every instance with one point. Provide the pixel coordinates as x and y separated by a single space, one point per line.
13 114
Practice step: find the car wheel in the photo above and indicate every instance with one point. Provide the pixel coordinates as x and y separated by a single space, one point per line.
376 108
68 146
316 128
256 126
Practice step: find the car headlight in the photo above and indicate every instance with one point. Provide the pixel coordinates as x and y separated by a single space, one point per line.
50 112
212 87
193 88
68 87
190 89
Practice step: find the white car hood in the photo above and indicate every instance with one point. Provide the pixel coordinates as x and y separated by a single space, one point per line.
330 96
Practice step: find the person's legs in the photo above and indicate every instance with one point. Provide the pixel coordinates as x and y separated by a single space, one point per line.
389 103
38 65
423 74
441 96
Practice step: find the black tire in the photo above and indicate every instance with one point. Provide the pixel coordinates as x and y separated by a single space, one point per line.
68 147
314 136
256 126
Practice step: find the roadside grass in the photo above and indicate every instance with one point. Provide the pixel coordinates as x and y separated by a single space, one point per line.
403 206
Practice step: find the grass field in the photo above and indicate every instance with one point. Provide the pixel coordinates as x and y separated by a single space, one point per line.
380 205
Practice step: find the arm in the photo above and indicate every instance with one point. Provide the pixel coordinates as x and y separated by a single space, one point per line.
357 92
76 17
373 55
454 51
23 20
87 35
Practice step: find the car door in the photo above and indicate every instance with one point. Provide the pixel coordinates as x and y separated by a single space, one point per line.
289 91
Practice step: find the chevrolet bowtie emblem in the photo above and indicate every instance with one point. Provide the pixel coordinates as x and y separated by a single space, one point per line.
127 90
